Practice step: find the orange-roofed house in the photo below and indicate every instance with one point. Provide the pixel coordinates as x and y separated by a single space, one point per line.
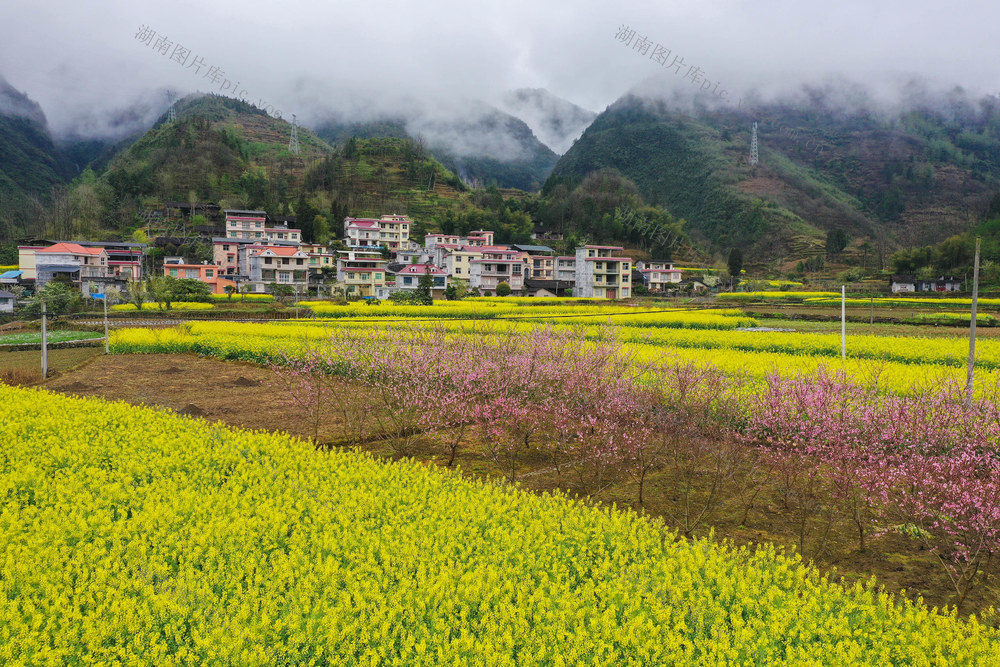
84 267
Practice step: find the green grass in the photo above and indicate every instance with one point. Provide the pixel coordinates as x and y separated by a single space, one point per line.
53 337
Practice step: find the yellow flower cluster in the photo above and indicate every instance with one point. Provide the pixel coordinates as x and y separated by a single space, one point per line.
175 305
896 363
242 297
133 536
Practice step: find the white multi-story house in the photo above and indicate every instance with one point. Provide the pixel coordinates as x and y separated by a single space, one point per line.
498 265
246 224
391 231
602 274
432 240
284 265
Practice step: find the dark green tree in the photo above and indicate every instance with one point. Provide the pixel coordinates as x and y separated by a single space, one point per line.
735 265
423 294
503 289
836 241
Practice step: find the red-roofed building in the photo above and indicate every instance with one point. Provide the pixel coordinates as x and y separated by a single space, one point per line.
284 265
362 271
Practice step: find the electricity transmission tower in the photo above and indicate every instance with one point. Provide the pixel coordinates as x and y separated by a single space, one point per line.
754 158
293 142
171 114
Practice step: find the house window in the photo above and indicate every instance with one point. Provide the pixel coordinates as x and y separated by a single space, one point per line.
267 260
209 273
173 272
225 247
407 280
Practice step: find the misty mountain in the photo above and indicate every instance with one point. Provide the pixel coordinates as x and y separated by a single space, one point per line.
30 163
909 175
556 122
480 143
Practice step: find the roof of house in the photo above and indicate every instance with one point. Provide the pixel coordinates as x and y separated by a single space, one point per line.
5 294
280 251
10 274
72 248
236 211
363 224
421 269
551 285
902 278
532 248
605 247
608 259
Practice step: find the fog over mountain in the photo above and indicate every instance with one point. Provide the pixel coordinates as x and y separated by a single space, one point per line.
89 66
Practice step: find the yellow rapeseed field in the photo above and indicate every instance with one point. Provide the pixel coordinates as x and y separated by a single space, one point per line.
133 536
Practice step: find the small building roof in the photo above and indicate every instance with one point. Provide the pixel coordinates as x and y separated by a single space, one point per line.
240 212
5 294
10 275
532 248
72 248
421 269
280 251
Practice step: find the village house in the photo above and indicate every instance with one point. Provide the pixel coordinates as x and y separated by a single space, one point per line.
602 274
902 283
942 284
565 269
498 265
408 278
209 274
658 275
480 238
283 265
458 261
6 302
86 268
245 224
283 233
541 263
432 240
124 260
363 272
391 231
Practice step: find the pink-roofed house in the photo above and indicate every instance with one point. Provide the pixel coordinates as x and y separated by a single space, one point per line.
408 278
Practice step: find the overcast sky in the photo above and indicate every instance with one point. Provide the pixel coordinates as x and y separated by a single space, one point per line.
81 58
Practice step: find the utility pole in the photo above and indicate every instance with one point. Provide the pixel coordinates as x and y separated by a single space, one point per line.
843 322
104 298
754 157
972 328
45 346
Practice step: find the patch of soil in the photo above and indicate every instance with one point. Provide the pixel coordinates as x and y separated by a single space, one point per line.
244 382
171 370
192 410
75 386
